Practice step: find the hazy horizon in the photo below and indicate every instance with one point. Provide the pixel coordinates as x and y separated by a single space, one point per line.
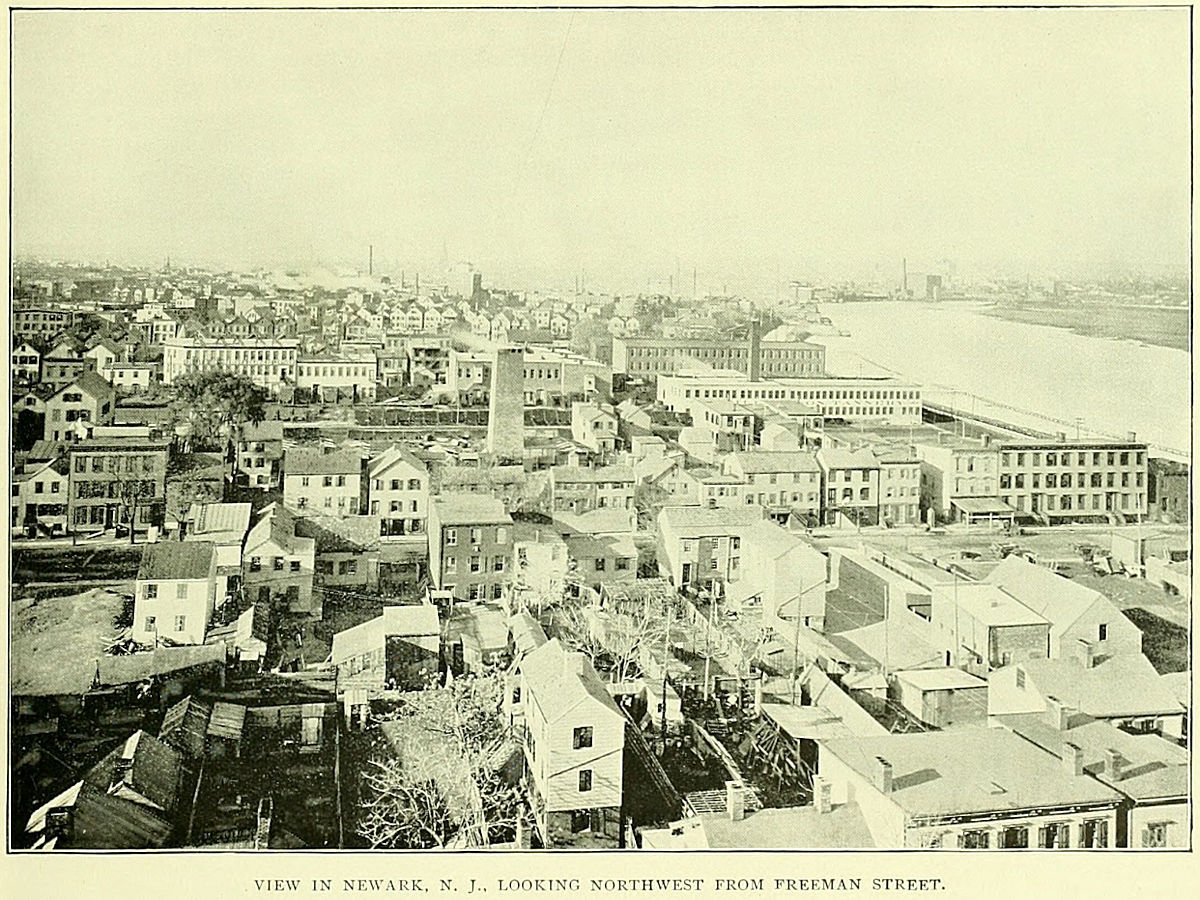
754 146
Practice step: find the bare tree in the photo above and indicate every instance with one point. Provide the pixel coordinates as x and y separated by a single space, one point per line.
462 740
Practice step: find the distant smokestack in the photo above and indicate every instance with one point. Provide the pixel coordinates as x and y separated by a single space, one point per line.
755 364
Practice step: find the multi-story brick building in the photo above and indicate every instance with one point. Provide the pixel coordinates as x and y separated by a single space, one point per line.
41 321
112 477
851 485
470 546
1061 480
782 482
333 378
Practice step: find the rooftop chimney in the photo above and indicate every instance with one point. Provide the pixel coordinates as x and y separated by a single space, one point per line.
822 794
985 440
573 663
1131 436
1087 654
735 800
883 775
1072 759
1114 765
1058 714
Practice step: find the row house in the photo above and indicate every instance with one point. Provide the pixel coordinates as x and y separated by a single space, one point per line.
1062 480
41 321
1150 772
577 489
470 546
783 482
398 492
971 788
316 483
116 480
850 480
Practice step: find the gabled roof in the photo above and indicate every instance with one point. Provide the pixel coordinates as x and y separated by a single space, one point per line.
168 561
1118 687
581 474
1061 600
218 522
1154 768
89 383
302 461
470 509
331 534
557 690
837 458
759 462
414 620
393 455
185 726
970 770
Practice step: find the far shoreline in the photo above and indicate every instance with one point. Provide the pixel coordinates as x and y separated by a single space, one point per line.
1160 327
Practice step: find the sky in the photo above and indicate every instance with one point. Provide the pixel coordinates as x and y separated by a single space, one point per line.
623 147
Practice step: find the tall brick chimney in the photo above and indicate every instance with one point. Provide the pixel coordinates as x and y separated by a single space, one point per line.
506 406
754 367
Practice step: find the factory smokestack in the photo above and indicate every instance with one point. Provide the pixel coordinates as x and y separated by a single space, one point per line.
755 363
506 406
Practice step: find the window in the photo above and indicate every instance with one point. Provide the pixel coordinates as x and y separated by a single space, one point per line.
501 532
277 564
451 565
451 537
497 591
585 780
181 623
974 840
327 481
475 564
181 592
255 564
1014 838
304 481
1103 631
1093 834
476 535
621 564
1155 834
1020 678
152 592
150 624
1056 836
582 737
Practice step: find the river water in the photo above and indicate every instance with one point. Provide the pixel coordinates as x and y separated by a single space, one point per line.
975 362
